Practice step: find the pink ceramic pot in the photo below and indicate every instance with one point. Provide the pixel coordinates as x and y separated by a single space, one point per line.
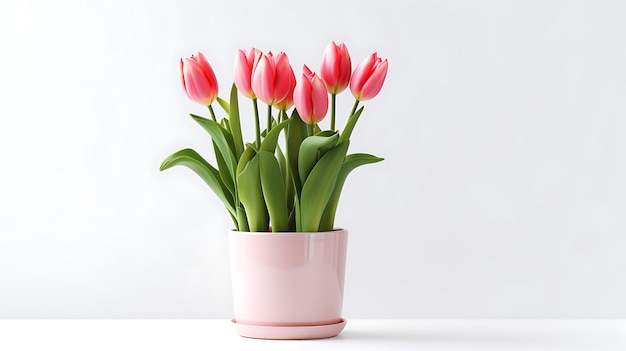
287 280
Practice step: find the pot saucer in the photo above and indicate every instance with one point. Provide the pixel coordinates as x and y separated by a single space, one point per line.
289 332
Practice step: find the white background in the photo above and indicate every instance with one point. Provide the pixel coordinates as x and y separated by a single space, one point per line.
502 123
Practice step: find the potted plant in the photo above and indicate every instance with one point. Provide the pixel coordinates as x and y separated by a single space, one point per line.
287 257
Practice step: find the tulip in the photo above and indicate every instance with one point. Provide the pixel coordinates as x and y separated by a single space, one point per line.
336 68
311 97
271 78
368 78
245 63
198 79
287 102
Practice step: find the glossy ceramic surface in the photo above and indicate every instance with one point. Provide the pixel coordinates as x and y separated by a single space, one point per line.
288 279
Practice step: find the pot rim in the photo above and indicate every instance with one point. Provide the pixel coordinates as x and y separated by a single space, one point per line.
336 230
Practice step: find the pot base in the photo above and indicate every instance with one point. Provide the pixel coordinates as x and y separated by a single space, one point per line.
289 333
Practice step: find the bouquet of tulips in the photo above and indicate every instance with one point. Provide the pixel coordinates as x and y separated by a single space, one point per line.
263 185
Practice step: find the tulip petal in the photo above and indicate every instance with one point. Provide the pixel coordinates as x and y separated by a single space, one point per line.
198 78
319 95
372 87
361 74
302 99
263 80
243 73
329 70
282 81
197 87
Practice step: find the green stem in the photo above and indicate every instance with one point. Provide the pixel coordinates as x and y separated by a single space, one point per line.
332 111
269 118
356 104
257 123
212 113
310 129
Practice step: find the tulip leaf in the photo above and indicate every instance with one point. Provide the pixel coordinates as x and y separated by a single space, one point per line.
284 168
319 186
271 140
225 106
326 133
312 150
298 218
246 157
347 130
282 161
251 196
296 133
222 168
289 187
222 139
351 162
191 159
316 129
273 191
242 220
226 125
235 122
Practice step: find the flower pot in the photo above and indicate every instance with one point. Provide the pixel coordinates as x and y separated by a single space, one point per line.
288 285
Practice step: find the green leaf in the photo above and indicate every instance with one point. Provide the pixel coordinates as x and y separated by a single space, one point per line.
242 220
226 125
224 105
191 159
282 161
246 157
251 196
295 134
316 129
347 131
319 187
273 190
222 168
271 140
351 162
312 150
235 123
221 138
297 217
290 191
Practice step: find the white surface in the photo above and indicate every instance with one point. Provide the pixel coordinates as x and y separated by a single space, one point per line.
502 125
425 335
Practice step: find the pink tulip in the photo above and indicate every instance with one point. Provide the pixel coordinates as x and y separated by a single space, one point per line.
336 68
368 78
287 102
311 97
271 78
198 79
244 66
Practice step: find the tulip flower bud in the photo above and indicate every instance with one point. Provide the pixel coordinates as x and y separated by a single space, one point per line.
336 68
245 63
311 97
271 79
368 78
198 79
287 102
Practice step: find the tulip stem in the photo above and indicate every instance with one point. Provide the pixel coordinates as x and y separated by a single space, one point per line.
257 123
310 129
212 113
269 118
356 104
332 111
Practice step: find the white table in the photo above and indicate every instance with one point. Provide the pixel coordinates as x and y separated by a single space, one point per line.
387 335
